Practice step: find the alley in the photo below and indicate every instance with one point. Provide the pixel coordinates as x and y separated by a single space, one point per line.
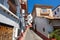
30 35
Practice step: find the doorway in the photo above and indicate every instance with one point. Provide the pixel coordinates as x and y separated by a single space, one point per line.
6 32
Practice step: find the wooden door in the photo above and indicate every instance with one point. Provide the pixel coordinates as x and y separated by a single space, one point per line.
6 32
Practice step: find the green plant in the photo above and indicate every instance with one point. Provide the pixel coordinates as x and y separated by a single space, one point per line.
55 34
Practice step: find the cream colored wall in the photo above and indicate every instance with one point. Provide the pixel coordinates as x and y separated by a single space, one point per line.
51 13
38 11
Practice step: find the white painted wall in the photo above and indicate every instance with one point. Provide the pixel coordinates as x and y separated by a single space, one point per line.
43 23
55 10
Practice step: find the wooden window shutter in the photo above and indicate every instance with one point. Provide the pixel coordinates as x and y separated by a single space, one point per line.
12 7
23 6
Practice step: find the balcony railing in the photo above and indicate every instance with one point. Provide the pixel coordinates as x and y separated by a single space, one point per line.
7 10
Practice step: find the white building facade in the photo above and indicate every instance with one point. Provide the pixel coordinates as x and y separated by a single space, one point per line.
40 22
56 11
56 14
23 11
9 20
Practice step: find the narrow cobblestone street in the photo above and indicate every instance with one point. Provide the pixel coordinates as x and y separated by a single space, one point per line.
30 35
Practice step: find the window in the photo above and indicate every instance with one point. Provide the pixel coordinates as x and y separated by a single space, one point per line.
57 9
55 13
23 14
23 11
44 10
12 6
43 29
35 28
13 1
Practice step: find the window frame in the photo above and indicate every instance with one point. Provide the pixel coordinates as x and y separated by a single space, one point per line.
44 10
43 29
57 9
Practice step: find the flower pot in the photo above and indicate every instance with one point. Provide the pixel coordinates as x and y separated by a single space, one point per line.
53 39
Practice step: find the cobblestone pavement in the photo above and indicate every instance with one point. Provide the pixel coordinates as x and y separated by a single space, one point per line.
30 35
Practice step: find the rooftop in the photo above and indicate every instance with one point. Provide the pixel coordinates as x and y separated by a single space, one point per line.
43 6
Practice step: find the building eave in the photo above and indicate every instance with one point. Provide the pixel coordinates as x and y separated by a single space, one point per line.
43 6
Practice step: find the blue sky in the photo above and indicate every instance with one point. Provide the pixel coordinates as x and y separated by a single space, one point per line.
31 3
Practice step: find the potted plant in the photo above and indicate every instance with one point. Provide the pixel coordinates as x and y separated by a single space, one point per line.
55 35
